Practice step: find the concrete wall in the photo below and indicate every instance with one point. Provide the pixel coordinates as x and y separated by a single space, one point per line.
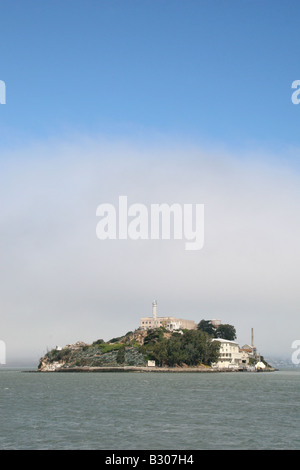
171 323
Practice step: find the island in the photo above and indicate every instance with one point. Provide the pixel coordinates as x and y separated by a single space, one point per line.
207 348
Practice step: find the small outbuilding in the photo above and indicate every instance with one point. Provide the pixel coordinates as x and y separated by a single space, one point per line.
260 365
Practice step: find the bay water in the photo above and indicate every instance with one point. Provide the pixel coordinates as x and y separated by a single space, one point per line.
149 411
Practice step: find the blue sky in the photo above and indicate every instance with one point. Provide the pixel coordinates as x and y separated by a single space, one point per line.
207 71
184 101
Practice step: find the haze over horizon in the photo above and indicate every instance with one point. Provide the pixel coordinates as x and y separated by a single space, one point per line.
165 102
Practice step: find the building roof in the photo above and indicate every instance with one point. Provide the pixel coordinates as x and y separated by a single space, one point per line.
221 340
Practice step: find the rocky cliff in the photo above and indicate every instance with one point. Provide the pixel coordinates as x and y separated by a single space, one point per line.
122 351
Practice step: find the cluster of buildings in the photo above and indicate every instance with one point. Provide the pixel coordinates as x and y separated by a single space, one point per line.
232 356
170 323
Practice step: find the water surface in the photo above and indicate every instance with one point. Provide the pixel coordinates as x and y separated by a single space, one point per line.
149 411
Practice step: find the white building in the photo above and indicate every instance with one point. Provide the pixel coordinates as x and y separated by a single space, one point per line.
250 350
231 357
170 323
260 366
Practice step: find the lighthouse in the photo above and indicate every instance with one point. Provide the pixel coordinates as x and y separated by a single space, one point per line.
154 313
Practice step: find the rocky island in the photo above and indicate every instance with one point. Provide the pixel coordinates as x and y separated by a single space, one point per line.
155 349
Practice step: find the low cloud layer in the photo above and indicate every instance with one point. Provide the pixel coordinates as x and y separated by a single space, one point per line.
61 284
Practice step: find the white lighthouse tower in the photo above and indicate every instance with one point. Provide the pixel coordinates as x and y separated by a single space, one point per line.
154 313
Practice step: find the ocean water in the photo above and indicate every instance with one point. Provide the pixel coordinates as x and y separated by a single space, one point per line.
149 411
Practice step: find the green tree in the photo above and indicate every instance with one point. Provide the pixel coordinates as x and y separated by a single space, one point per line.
207 327
153 336
176 353
226 332
99 341
211 351
121 355
159 352
192 347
